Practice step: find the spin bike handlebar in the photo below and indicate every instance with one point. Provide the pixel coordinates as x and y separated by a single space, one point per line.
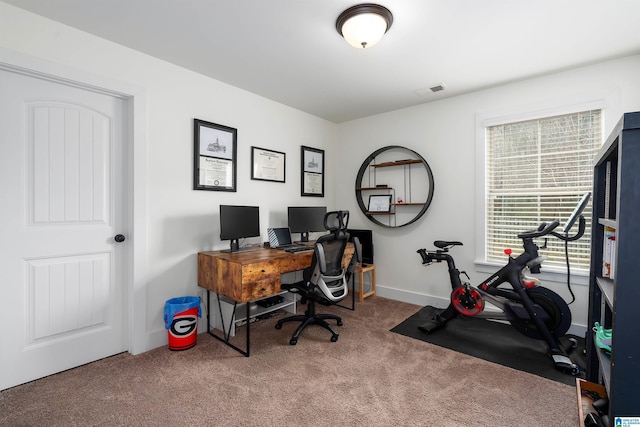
544 230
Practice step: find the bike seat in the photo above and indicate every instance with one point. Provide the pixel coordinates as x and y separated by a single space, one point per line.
445 244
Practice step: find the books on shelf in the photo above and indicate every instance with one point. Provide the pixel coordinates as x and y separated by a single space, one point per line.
609 253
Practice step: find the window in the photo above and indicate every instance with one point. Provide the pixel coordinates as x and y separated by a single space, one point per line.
537 170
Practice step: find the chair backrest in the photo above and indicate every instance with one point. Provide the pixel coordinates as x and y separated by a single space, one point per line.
327 273
336 222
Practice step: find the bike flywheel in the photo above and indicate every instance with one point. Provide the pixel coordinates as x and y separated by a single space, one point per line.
467 301
558 314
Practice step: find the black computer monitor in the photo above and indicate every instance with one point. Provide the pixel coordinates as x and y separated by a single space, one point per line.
306 219
238 222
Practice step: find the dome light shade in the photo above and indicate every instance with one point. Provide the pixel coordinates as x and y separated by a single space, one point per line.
363 26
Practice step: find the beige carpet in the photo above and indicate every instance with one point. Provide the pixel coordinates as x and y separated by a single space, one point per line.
370 377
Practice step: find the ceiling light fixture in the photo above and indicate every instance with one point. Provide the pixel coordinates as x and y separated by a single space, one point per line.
364 25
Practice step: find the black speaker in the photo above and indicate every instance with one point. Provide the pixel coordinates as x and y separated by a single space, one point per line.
366 240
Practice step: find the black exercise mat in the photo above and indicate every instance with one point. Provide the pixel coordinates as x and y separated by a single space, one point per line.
496 342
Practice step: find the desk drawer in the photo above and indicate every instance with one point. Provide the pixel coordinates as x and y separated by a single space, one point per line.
261 288
259 270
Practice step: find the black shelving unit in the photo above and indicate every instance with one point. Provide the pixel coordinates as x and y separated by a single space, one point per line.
615 301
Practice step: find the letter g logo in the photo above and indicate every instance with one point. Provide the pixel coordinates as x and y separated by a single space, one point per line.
182 326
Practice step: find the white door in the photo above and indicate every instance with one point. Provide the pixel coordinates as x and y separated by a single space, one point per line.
62 171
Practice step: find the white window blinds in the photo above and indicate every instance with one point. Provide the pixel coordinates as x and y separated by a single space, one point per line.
537 170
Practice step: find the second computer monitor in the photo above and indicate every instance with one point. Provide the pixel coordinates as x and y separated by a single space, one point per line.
306 219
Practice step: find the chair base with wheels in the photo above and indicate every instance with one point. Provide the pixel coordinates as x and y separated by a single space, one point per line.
310 317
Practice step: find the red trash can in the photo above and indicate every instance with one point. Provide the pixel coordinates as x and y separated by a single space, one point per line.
181 321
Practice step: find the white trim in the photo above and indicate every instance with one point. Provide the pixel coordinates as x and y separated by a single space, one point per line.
484 119
410 297
139 341
548 274
137 173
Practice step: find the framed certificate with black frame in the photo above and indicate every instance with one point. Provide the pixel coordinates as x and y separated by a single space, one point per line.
267 165
214 149
312 178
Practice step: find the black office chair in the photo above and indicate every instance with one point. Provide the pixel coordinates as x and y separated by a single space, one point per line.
325 281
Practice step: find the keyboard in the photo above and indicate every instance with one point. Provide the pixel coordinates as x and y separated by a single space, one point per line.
299 249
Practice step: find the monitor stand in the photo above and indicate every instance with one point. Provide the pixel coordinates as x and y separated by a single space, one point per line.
304 239
234 246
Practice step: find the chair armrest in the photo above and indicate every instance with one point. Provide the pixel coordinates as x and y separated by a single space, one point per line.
320 258
355 259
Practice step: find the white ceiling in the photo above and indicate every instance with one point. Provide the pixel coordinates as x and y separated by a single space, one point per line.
289 50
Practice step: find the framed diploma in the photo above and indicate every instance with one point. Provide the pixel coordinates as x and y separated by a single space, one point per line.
312 179
267 165
214 149
379 203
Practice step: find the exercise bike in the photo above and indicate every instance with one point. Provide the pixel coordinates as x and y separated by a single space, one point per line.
533 310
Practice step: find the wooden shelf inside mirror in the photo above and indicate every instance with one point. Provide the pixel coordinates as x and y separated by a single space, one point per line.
396 163
373 188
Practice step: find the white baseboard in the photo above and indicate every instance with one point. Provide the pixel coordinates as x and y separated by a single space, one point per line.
411 297
158 338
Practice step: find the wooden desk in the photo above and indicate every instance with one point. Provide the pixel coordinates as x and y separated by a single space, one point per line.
250 275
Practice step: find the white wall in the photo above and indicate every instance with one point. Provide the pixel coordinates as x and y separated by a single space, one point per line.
445 134
180 222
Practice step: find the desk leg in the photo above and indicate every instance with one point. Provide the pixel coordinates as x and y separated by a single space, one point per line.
227 332
353 295
208 313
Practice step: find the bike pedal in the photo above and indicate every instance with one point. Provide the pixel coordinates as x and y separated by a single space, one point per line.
564 364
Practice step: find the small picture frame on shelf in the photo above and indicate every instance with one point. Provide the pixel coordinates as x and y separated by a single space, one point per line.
379 203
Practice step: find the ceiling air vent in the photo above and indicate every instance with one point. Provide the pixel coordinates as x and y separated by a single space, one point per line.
425 91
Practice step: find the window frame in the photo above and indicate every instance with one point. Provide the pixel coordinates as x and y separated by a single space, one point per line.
487 119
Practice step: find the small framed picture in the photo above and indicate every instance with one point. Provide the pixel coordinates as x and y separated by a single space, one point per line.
267 165
312 176
379 203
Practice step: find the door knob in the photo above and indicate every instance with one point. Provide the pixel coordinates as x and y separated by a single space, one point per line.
119 238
